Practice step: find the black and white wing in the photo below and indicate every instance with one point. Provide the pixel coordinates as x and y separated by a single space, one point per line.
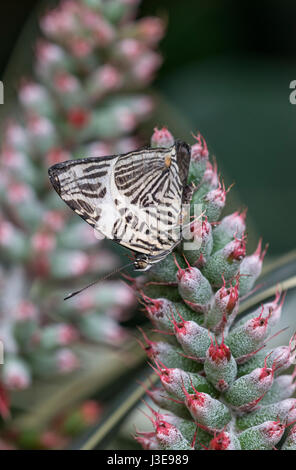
134 199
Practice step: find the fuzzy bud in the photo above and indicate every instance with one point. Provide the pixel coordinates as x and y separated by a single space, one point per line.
220 366
281 411
202 237
224 309
199 159
16 374
251 268
214 202
246 339
231 226
174 380
194 288
262 437
208 412
225 440
247 391
194 339
225 262
162 138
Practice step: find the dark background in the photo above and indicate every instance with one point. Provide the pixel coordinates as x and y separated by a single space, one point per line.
227 70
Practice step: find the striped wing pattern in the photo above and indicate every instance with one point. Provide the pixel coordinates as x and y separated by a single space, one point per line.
134 199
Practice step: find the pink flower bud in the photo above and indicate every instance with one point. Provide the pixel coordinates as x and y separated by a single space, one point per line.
78 118
130 49
40 126
143 106
57 155
43 242
15 374
282 411
32 93
19 193
236 250
65 83
199 151
245 339
26 311
102 32
235 223
194 339
49 54
54 220
270 310
109 77
224 310
67 361
220 366
230 226
202 236
15 135
12 158
80 263
214 202
262 437
194 288
80 48
251 268
66 334
145 67
126 119
210 178
224 441
162 138
175 379
247 391
208 412
105 79
151 29
219 353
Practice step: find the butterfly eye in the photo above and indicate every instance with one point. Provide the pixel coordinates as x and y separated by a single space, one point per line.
142 264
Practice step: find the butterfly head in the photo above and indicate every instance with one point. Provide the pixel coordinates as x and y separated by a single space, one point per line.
142 263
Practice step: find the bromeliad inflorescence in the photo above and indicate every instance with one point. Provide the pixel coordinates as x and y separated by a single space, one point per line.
220 388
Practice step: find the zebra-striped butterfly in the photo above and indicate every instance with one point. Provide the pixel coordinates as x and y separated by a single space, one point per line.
134 199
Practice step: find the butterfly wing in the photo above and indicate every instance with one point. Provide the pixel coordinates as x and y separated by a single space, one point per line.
132 198
82 184
152 190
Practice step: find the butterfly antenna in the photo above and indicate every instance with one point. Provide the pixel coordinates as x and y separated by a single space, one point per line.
72 294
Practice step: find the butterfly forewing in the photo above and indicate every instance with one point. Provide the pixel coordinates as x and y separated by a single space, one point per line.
134 199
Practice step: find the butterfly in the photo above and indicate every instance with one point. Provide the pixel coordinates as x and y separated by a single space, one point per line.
135 199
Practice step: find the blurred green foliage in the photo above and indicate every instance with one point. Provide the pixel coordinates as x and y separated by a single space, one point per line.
228 67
